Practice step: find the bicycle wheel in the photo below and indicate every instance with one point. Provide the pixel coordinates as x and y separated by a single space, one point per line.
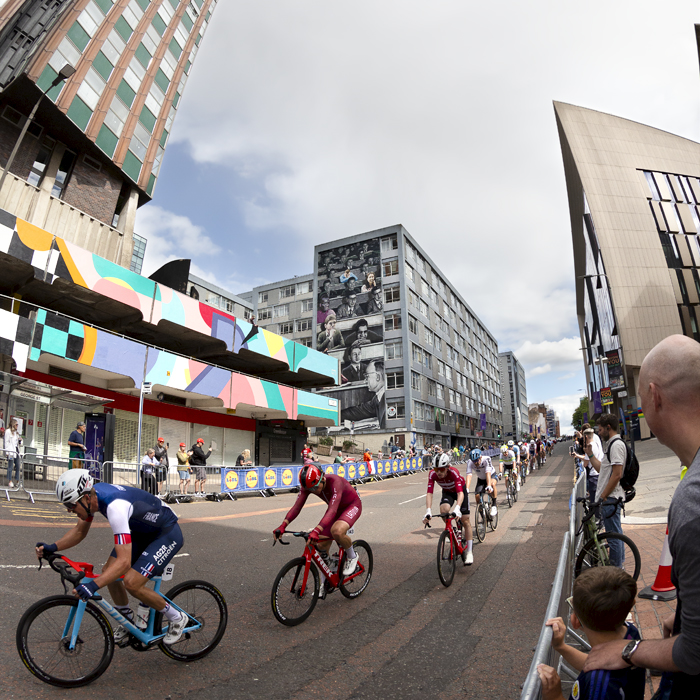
509 494
515 490
446 559
493 520
353 586
589 556
480 522
45 651
203 602
289 605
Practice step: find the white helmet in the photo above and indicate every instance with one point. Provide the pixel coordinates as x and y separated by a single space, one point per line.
510 443
440 461
73 484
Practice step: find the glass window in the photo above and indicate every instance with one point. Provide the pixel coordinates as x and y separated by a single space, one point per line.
393 351
281 310
306 342
394 380
286 292
392 322
388 244
415 380
395 409
390 267
41 161
63 174
424 308
262 297
264 314
413 325
432 388
304 324
416 353
307 305
392 294
304 287
427 360
428 336
441 368
286 328
438 343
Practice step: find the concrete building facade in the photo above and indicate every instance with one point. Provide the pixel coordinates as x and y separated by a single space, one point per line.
513 396
634 193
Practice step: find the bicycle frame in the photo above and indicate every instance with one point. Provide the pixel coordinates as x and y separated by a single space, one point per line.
313 554
451 525
589 529
147 636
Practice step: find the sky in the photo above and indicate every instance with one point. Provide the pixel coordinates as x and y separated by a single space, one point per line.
307 121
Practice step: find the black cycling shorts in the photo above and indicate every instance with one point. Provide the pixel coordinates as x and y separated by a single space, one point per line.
450 497
480 486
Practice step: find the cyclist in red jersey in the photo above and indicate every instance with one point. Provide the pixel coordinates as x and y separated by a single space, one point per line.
455 497
344 508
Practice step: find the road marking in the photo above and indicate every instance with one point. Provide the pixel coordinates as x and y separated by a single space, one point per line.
412 499
20 566
181 555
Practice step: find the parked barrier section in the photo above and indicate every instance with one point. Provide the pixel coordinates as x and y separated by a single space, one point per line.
557 606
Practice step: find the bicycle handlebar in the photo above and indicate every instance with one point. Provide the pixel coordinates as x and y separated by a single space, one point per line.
305 535
61 566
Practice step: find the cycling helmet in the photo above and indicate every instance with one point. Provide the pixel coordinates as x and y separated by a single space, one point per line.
510 443
504 448
310 476
73 484
475 455
441 461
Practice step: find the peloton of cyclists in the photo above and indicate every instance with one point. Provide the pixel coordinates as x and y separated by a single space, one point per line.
455 498
511 466
486 476
146 537
344 509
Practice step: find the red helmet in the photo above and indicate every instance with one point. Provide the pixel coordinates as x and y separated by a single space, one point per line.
182 444
161 439
310 476
200 440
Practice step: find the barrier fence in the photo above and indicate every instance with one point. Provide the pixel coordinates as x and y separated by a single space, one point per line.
39 474
557 607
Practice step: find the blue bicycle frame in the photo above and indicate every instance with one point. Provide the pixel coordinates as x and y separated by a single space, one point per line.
147 636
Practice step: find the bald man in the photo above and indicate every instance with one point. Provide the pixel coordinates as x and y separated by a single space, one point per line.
669 388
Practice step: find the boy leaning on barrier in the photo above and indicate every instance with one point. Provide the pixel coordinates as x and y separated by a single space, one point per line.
603 597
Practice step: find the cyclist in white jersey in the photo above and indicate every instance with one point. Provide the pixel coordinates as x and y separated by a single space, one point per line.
509 461
485 473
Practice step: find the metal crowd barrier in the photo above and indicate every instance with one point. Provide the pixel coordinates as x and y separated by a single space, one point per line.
5 457
557 607
39 473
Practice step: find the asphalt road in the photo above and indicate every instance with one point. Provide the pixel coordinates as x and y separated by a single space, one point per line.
406 636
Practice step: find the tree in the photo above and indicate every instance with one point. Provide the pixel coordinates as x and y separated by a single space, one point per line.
577 417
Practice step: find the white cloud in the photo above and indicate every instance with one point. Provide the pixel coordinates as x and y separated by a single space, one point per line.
565 407
548 356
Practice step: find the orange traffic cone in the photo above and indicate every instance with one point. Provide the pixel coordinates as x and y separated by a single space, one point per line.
662 588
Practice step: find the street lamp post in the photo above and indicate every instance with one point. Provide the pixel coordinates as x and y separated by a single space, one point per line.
65 73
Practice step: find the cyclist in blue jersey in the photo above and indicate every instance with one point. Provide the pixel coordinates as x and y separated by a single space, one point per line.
146 537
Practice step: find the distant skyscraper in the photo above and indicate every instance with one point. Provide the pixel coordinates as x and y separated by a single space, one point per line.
97 140
513 395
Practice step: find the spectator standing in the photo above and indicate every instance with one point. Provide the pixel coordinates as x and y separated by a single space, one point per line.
76 443
339 458
306 453
367 457
183 468
149 464
161 454
243 459
669 389
2 423
610 471
198 459
590 437
13 441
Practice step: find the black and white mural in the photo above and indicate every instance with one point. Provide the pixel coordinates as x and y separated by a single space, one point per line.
350 327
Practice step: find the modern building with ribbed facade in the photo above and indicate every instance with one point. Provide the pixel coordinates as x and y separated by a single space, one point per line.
93 150
634 193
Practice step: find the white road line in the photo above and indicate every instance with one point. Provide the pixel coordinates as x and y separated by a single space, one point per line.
181 555
412 499
19 566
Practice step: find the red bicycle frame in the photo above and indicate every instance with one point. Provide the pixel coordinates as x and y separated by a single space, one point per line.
452 529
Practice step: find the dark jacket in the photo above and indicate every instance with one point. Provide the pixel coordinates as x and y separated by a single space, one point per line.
198 458
161 454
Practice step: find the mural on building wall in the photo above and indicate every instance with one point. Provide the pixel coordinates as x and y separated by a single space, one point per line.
54 258
350 327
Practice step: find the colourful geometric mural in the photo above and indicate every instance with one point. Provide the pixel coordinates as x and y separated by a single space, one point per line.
58 335
53 257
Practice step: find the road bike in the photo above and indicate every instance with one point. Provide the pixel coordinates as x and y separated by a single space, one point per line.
511 485
449 547
483 516
596 548
294 594
524 470
68 642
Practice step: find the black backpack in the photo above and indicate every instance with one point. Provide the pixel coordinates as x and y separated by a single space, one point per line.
630 473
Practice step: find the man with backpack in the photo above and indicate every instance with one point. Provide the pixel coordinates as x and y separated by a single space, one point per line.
610 469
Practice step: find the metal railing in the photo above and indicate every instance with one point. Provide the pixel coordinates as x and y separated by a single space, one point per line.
557 607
